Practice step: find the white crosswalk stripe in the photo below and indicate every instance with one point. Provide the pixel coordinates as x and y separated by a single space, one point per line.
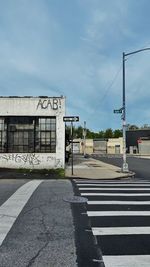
87 182
112 189
119 213
112 185
118 202
121 230
115 194
10 210
127 261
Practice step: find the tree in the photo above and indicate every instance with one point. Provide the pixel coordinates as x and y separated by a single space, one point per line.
132 127
101 134
108 133
78 133
90 134
117 133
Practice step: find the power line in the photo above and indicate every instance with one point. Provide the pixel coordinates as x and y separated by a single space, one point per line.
107 90
111 84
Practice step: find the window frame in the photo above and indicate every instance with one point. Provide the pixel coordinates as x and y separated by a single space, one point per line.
29 145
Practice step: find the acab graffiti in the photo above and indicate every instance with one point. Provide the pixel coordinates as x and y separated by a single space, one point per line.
52 103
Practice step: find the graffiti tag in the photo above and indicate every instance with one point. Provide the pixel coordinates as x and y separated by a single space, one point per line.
52 103
31 159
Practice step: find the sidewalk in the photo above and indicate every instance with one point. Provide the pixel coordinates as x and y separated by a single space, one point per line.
94 169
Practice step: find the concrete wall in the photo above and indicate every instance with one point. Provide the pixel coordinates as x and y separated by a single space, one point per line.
78 146
99 146
35 106
133 150
30 160
144 147
89 146
115 145
112 146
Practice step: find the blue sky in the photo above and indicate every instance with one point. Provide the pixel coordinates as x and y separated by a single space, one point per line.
74 48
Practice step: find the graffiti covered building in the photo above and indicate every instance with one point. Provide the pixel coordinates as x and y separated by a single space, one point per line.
32 132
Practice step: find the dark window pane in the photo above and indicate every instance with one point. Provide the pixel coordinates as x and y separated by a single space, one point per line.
28 134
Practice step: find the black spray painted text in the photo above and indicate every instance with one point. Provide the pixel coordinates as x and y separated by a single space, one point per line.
52 103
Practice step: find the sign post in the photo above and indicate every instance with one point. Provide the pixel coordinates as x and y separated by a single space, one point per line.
71 119
84 138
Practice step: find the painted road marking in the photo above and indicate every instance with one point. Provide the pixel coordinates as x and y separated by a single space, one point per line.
116 194
113 189
117 260
121 230
118 213
115 185
127 261
109 182
10 210
107 202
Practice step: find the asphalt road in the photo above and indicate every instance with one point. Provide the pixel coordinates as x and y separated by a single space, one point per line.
43 232
140 166
39 228
48 232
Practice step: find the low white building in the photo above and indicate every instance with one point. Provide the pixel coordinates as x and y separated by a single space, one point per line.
32 132
115 145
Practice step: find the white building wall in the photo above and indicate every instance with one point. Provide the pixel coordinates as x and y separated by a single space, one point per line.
112 143
36 106
144 147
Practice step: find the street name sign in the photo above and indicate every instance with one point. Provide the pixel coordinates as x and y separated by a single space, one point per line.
118 110
71 118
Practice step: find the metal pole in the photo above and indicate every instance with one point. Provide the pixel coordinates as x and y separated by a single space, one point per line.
72 147
84 138
125 164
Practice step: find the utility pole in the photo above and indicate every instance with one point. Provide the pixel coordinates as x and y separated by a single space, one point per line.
125 164
72 147
84 139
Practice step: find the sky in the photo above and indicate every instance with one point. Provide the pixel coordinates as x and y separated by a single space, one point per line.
74 48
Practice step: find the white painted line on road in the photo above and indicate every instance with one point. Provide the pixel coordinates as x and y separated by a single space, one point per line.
10 210
127 261
116 194
118 213
115 202
111 183
115 185
112 189
121 230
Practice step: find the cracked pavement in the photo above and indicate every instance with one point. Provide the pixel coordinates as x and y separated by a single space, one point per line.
43 234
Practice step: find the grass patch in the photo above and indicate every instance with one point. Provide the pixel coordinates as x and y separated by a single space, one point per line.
55 172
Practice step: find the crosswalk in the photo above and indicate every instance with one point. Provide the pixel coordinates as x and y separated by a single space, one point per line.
10 210
119 213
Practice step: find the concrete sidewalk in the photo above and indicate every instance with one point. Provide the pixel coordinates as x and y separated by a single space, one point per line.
95 169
